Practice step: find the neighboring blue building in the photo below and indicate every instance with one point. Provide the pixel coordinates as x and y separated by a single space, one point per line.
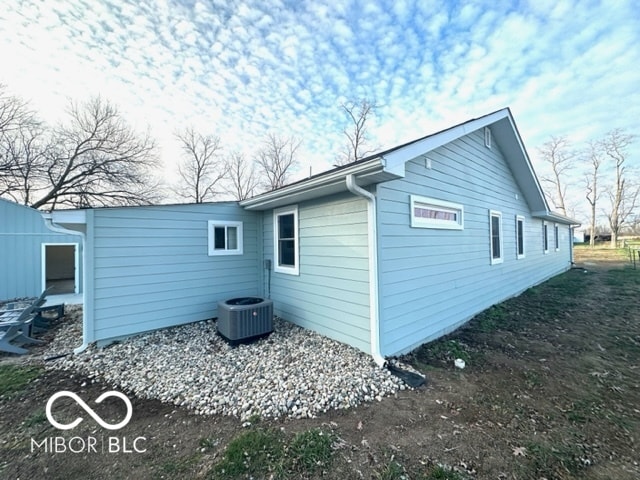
33 257
384 254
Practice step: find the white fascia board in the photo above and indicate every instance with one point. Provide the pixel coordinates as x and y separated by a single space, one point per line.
535 183
397 158
68 219
69 216
312 188
556 217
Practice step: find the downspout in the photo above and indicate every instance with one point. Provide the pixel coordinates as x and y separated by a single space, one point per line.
572 229
571 236
57 228
374 309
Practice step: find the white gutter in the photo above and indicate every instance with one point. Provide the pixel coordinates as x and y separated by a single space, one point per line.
556 217
374 310
316 183
48 220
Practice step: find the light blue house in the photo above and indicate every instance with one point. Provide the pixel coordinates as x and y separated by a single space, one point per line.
384 254
32 257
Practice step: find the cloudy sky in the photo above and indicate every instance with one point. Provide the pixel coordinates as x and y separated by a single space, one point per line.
240 69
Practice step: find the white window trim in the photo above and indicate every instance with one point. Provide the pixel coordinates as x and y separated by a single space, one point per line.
417 222
487 137
295 270
495 213
520 256
556 236
224 223
545 237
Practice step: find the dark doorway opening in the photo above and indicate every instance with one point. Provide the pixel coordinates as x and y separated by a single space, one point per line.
60 272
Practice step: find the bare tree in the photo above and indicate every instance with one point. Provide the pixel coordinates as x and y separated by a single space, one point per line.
623 194
18 130
14 112
202 168
242 176
593 195
276 159
95 159
634 224
358 112
556 153
25 160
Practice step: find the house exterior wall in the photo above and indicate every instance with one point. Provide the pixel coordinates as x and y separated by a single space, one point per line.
331 293
434 280
151 268
22 234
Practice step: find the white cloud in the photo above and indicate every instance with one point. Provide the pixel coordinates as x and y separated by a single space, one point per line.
239 70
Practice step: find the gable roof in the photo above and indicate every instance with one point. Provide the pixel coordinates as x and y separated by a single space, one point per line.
390 164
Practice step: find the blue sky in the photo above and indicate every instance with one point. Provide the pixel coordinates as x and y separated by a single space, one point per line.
242 69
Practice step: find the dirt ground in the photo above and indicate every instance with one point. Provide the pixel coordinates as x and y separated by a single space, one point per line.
551 389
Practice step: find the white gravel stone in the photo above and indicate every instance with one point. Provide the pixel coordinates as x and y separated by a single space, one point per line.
293 372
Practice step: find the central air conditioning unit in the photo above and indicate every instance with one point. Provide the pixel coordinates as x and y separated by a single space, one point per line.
244 319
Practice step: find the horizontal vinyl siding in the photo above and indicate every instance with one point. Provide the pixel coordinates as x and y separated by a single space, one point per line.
331 294
432 281
152 270
22 233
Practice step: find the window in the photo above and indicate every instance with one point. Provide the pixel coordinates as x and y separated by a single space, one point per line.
487 137
432 213
495 227
556 237
225 238
519 237
545 236
285 241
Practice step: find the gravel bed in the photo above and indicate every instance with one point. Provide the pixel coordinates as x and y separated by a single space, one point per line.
294 372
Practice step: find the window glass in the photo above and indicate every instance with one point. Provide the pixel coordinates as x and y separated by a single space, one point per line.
286 225
287 253
520 237
232 238
437 214
495 236
218 238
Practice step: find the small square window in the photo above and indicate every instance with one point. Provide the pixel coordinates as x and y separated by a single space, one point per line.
225 238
